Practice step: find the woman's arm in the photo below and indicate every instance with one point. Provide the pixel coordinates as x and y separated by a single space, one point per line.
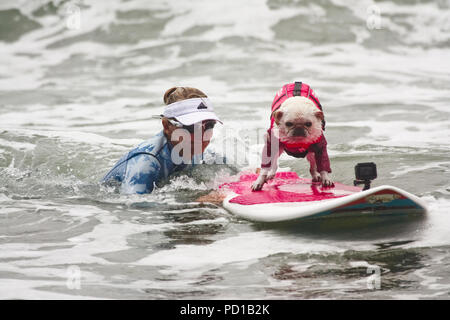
141 174
215 197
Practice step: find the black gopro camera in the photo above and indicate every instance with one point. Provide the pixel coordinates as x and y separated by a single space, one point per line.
365 172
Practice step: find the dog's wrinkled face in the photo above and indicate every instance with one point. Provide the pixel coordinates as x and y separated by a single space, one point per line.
298 120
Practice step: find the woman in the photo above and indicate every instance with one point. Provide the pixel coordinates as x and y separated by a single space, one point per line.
188 121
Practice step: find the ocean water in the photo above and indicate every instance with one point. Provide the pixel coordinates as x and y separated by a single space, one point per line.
80 80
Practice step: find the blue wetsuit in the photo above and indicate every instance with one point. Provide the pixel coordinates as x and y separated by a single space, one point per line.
141 168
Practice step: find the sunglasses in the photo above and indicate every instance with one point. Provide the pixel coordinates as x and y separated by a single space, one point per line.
206 125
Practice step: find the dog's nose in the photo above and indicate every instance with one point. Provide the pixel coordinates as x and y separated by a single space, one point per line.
299 132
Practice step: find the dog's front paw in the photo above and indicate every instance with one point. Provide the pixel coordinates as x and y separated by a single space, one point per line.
271 175
327 183
258 184
326 180
316 177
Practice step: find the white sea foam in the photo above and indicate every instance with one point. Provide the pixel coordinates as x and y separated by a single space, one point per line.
228 18
435 232
402 170
254 245
398 133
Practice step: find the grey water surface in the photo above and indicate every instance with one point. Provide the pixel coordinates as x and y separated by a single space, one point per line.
80 80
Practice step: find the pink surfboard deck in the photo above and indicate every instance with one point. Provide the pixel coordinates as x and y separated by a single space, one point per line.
289 197
285 187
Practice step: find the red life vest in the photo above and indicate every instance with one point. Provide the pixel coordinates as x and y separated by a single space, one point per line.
291 90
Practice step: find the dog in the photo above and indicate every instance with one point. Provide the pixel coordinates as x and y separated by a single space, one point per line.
297 126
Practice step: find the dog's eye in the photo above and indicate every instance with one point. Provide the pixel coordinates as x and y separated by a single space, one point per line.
289 124
308 124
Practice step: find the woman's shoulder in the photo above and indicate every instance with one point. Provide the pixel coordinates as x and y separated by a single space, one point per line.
154 145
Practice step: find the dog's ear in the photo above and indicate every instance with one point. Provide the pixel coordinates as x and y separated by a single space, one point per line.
277 116
319 115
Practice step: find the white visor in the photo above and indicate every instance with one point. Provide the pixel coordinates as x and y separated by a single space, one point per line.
191 111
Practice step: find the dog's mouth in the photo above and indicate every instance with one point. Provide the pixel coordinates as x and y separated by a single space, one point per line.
298 135
293 139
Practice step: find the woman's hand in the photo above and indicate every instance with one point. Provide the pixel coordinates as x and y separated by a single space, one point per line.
215 197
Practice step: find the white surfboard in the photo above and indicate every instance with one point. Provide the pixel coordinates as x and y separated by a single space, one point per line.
288 197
